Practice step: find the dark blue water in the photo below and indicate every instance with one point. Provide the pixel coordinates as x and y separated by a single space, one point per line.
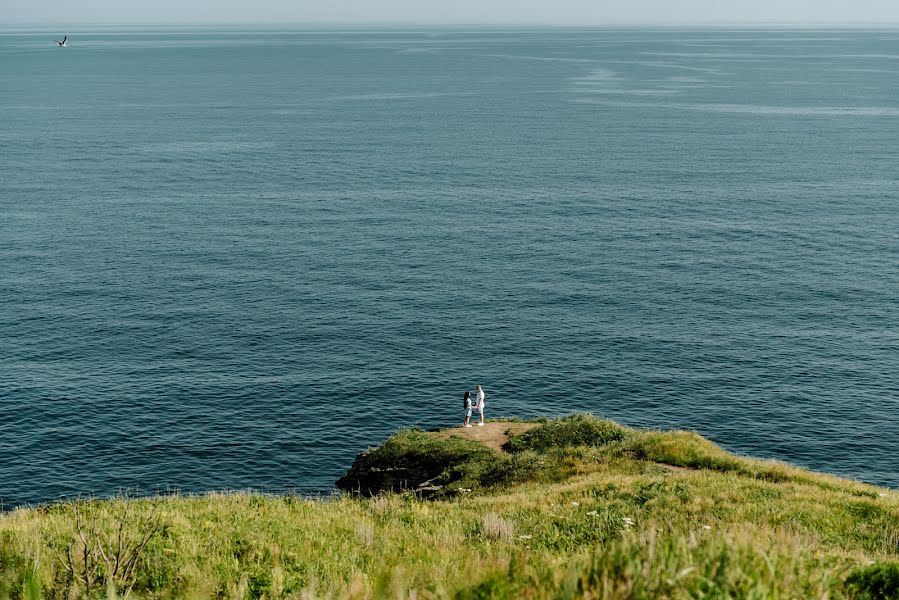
233 259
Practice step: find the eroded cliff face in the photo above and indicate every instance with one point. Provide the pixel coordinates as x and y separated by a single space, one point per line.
368 477
434 463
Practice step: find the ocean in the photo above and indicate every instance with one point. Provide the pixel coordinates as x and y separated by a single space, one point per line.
233 258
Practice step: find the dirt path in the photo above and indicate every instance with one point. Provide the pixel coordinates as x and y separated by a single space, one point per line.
493 434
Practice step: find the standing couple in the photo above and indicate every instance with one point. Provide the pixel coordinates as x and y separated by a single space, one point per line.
470 405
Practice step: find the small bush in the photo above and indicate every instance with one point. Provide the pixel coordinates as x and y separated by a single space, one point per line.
568 432
96 560
877 582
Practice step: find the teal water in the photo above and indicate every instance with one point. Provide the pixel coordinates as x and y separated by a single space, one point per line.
232 259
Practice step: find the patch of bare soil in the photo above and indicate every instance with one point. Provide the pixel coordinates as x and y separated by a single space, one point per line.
493 434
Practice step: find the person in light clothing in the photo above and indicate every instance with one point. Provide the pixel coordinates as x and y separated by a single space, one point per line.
480 404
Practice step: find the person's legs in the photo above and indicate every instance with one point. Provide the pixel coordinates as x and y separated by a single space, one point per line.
468 418
481 412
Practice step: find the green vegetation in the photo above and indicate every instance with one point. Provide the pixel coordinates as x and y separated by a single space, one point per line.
577 508
877 582
568 432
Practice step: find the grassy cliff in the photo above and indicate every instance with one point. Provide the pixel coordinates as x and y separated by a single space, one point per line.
575 507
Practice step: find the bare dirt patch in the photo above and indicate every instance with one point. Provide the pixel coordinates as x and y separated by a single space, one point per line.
492 434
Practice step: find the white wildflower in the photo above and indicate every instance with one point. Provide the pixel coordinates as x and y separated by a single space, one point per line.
524 537
707 527
575 504
592 513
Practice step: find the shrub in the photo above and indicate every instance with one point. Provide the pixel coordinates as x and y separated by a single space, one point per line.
97 560
572 431
876 582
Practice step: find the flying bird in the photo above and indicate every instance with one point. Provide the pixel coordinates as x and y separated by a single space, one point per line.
63 42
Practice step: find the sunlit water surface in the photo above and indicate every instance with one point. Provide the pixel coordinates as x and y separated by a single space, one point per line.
233 259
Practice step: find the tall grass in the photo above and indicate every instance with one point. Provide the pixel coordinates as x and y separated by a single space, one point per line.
639 515
568 432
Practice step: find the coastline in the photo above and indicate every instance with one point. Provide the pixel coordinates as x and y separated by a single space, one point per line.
577 504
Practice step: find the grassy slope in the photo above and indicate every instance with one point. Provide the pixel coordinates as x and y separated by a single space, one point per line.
579 508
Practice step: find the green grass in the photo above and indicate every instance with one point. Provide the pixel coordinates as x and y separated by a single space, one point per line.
414 448
568 432
580 508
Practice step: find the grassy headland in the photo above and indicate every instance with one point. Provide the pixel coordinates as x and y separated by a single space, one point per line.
574 507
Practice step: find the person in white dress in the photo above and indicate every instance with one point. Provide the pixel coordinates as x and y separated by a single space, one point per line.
469 405
480 403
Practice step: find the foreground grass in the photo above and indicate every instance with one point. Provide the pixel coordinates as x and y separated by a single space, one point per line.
578 508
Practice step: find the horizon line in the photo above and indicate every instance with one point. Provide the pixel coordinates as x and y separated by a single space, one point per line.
465 25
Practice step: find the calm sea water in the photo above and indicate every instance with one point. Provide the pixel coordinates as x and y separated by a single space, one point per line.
233 259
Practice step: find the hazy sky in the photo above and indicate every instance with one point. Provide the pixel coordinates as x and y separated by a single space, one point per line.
562 12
